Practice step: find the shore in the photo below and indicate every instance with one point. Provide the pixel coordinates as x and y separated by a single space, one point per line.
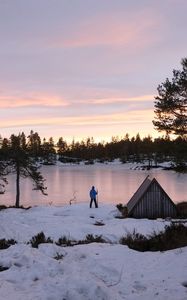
90 271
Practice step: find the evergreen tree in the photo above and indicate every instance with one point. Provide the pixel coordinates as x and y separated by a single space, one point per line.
171 103
17 161
62 147
48 152
3 174
34 144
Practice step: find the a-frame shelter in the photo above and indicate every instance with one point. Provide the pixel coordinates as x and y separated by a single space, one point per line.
151 201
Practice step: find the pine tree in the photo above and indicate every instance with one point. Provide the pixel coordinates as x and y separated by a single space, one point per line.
34 144
48 152
18 161
62 147
171 103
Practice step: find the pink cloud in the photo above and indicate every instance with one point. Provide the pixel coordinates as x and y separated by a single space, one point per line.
110 100
8 100
112 30
98 97
102 119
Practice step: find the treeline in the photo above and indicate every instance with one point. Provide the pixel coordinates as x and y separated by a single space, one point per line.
135 149
127 149
32 145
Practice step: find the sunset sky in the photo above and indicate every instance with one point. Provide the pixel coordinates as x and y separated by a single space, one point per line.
79 68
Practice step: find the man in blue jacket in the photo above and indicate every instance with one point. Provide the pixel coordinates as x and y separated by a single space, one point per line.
93 194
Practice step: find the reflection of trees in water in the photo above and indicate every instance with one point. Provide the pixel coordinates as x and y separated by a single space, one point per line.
115 183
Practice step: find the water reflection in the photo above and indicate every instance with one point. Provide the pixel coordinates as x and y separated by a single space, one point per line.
115 184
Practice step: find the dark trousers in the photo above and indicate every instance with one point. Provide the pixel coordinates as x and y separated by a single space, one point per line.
91 201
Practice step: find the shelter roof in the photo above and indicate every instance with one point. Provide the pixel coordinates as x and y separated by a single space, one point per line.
139 193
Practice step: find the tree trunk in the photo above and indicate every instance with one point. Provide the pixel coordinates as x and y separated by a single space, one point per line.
17 183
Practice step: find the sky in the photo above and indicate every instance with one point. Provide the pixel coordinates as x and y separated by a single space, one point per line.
76 68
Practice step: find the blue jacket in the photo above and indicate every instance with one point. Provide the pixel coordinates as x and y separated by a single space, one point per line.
93 193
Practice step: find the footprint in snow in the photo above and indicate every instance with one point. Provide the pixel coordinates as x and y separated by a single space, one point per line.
139 287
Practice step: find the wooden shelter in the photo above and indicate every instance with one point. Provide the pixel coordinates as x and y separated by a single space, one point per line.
151 201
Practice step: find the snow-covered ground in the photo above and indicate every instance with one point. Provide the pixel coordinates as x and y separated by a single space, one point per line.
87 272
117 162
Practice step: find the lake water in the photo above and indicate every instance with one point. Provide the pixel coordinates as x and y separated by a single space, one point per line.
115 183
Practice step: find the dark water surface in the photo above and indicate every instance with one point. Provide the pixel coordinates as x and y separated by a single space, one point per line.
115 183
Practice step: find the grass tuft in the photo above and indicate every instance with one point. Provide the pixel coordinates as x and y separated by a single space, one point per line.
40 239
64 241
4 244
90 238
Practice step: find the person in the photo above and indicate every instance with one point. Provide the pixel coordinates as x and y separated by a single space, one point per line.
93 194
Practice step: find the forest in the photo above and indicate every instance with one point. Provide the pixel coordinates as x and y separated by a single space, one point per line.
134 149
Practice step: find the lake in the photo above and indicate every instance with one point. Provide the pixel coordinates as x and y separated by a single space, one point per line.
116 183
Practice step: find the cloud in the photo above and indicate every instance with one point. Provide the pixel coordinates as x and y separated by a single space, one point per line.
116 30
68 96
132 117
30 99
143 98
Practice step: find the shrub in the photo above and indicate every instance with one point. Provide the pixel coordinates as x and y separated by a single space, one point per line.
101 160
3 207
182 209
4 244
99 223
174 236
94 239
3 269
89 162
58 256
40 239
184 284
119 207
123 210
135 241
64 241
123 159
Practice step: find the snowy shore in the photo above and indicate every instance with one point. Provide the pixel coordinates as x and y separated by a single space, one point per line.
95 271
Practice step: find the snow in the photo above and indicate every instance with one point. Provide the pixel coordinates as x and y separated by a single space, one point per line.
117 162
87 272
